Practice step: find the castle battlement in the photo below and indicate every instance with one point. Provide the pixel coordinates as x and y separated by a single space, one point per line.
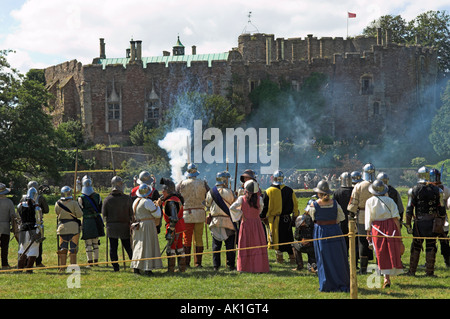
372 81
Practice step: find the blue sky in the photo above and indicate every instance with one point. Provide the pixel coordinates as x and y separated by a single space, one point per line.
49 32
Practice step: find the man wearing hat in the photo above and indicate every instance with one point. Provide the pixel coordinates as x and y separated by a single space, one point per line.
193 191
425 204
117 212
342 196
68 213
218 202
356 207
279 203
42 203
93 228
7 220
173 212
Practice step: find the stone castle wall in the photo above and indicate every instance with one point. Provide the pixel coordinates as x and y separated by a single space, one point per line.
372 83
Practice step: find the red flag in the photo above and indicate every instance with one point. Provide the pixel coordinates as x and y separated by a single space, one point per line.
351 15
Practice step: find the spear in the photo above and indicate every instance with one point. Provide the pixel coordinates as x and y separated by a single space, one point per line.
236 166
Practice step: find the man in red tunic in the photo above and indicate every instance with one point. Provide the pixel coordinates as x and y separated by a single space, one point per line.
172 208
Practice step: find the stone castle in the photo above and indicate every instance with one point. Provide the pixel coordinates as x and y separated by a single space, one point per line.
373 83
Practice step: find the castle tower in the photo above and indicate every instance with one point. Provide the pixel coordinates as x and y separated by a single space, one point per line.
178 48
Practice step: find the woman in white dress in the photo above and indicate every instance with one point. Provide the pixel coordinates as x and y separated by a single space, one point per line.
145 235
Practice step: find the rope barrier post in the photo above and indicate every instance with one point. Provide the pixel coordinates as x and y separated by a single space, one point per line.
352 253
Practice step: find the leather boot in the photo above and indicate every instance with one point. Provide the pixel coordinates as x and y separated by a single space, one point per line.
73 259
430 260
181 263
198 258
30 263
62 257
187 251
22 261
413 262
171 263
298 260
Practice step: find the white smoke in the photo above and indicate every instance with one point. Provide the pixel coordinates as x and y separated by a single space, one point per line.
176 144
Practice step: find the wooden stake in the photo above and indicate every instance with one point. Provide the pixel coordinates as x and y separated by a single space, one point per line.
352 253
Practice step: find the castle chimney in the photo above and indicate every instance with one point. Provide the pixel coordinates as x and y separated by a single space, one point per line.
102 49
388 36
194 50
379 38
166 53
132 50
309 39
139 50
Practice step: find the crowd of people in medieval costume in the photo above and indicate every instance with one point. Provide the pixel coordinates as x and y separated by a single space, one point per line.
249 221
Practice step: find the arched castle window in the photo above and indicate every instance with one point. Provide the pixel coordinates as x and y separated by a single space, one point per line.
153 105
366 84
114 105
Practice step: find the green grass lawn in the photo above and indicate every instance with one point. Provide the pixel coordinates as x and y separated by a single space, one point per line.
100 282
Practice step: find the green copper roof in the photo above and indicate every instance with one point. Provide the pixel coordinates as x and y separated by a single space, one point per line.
167 59
179 44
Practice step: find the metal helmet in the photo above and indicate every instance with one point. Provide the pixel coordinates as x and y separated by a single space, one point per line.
356 177
312 200
378 188
384 177
117 183
192 170
251 186
278 178
323 187
435 176
301 220
3 189
32 194
33 184
144 190
87 188
368 172
168 185
345 179
249 173
423 174
145 178
85 177
66 193
222 178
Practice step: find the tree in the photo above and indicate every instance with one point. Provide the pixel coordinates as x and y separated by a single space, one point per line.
397 25
214 111
431 28
440 126
27 137
139 132
70 134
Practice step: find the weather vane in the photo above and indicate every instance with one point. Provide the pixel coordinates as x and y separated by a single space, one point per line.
249 23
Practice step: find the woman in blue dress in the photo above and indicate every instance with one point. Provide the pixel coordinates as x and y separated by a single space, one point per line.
331 254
